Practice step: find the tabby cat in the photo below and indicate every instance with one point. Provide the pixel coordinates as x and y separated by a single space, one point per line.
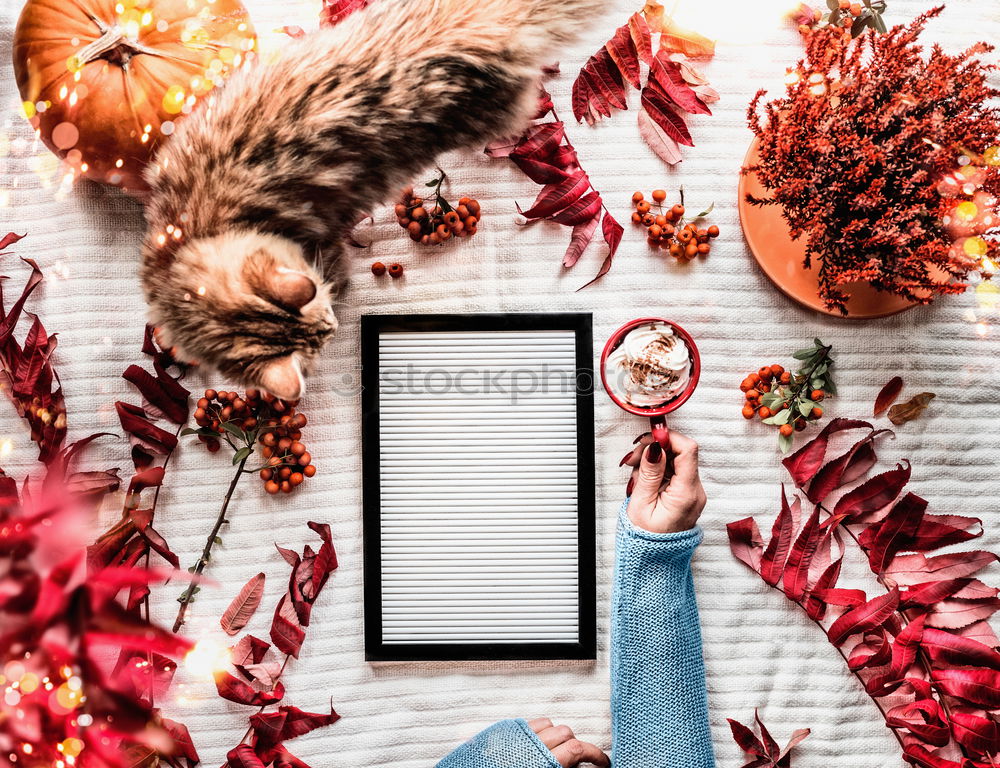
266 177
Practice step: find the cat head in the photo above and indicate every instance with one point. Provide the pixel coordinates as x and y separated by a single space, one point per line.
246 303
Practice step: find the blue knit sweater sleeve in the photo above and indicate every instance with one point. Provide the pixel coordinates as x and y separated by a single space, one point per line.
659 700
507 744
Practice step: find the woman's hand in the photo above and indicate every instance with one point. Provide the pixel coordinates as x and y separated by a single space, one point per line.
565 747
666 497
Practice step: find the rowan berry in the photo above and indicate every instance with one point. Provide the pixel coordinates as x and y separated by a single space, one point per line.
642 206
704 249
271 487
765 373
748 411
395 270
816 395
659 195
637 197
378 269
654 232
677 210
786 429
309 470
777 370
636 217
764 412
713 231
786 378
816 412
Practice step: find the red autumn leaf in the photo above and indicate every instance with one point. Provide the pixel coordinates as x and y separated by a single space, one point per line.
248 650
772 563
806 462
981 632
641 37
244 755
233 689
244 605
846 468
872 614
598 88
906 646
335 11
874 650
925 595
581 211
142 431
659 108
816 601
887 395
160 394
580 239
279 757
540 141
679 40
93 485
9 239
917 569
555 197
873 495
938 531
979 734
922 718
612 232
666 148
539 171
286 632
947 648
955 614
621 48
665 76
796 571
746 738
183 746
746 543
884 539
980 687
298 723
921 756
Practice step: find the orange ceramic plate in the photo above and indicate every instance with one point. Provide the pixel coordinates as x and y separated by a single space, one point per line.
781 258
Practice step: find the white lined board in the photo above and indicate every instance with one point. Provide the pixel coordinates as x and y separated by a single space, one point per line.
478 487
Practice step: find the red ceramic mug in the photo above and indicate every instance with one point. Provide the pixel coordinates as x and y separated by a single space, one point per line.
655 414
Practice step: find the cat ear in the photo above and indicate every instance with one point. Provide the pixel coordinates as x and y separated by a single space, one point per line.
283 378
290 288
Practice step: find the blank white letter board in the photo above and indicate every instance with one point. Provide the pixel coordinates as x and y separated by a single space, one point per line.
478 452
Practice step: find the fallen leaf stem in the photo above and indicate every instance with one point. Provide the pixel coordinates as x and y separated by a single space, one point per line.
206 553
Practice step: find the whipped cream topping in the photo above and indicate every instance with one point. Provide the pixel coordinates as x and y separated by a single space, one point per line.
651 366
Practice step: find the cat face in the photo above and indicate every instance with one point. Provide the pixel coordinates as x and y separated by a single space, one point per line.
246 303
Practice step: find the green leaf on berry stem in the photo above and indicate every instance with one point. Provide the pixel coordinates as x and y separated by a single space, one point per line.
707 211
235 431
781 417
806 407
784 443
804 354
241 454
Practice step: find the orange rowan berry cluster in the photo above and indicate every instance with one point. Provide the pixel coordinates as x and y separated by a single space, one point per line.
786 400
852 18
433 220
667 229
256 418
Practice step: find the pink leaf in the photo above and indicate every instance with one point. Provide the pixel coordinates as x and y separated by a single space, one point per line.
666 148
665 76
980 687
243 606
286 632
955 614
249 650
917 569
582 235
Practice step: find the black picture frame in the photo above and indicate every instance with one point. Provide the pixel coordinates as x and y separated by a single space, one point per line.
371 327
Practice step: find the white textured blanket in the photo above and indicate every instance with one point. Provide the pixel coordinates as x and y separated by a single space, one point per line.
760 650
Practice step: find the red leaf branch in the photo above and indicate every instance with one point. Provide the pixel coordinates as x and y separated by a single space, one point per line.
263 743
763 750
672 87
922 648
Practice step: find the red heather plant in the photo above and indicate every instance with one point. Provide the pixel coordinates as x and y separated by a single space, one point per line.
672 86
258 683
762 749
886 161
921 645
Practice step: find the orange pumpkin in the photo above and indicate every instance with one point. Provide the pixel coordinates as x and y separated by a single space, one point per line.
104 81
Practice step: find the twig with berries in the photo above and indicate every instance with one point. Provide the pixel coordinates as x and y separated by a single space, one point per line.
853 17
790 401
667 228
245 423
434 220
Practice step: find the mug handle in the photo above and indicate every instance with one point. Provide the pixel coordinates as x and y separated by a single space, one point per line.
661 434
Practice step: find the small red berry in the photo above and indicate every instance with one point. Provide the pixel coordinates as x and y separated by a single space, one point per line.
395 270
378 269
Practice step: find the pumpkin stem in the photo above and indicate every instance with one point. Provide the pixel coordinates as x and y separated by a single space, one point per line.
113 45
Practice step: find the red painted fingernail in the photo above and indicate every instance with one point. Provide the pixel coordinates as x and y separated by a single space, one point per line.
630 486
654 453
625 458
